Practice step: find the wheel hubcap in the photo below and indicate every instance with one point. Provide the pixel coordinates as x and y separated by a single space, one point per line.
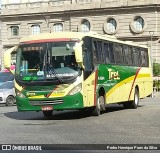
98 104
136 99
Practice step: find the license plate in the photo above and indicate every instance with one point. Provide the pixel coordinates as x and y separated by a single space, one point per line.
47 108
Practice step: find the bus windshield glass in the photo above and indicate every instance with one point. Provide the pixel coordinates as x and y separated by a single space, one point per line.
53 61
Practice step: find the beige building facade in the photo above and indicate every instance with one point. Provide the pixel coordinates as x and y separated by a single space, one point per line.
129 20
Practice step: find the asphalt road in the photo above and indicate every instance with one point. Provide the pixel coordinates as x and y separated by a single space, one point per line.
115 126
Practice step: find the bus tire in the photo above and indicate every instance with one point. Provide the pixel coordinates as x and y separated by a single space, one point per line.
100 105
126 105
135 102
47 113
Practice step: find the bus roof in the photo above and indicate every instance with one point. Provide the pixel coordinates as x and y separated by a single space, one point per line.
44 37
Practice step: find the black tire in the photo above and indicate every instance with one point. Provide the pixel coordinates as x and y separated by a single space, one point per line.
47 113
102 103
10 101
135 102
100 106
126 105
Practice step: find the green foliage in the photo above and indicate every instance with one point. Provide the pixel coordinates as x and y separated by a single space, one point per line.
156 69
156 72
156 85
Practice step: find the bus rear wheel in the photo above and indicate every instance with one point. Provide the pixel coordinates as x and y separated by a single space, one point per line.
47 113
135 102
100 106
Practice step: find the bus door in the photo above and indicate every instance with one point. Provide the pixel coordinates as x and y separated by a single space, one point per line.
89 81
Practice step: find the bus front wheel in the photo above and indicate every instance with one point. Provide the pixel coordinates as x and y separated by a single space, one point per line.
47 113
100 105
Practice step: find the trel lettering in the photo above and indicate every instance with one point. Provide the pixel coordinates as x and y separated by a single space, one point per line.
113 74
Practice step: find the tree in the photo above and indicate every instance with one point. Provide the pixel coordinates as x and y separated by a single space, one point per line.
156 69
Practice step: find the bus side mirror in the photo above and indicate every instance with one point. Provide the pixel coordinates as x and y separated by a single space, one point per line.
7 59
78 54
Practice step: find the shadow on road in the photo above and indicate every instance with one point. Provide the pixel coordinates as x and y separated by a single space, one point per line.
61 115
4 105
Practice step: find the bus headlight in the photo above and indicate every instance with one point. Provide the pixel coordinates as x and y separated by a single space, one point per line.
20 94
76 89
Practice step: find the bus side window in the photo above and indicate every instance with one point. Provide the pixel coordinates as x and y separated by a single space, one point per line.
95 52
144 58
118 53
111 55
100 52
127 55
136 57
88 54
87 61
106 53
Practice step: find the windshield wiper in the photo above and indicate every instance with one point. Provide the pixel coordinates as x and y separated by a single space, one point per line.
52 71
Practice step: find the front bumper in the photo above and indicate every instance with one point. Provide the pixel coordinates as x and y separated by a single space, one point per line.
67 102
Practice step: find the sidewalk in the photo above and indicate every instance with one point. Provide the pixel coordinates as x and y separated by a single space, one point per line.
156 94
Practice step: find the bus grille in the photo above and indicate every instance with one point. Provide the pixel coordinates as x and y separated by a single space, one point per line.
46 102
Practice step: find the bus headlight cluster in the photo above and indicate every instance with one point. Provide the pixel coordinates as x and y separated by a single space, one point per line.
76 89
20 94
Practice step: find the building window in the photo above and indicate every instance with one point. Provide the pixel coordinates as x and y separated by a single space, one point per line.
85 26
58 27
110 26
138 24
35 29
14 31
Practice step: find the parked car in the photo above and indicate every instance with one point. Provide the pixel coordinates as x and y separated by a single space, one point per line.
7 93
6 76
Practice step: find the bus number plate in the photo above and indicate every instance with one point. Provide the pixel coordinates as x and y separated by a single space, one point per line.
47 108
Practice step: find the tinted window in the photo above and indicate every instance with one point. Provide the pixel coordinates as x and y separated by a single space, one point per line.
100 52
111 55
118 53
127 55
106 53
95 52
135 57
87 54
144 58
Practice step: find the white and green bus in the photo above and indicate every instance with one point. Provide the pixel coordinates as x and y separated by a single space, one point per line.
74 70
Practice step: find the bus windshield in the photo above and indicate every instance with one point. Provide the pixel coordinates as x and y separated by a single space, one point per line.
46 62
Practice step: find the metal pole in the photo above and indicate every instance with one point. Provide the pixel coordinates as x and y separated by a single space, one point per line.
151 60
151 47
